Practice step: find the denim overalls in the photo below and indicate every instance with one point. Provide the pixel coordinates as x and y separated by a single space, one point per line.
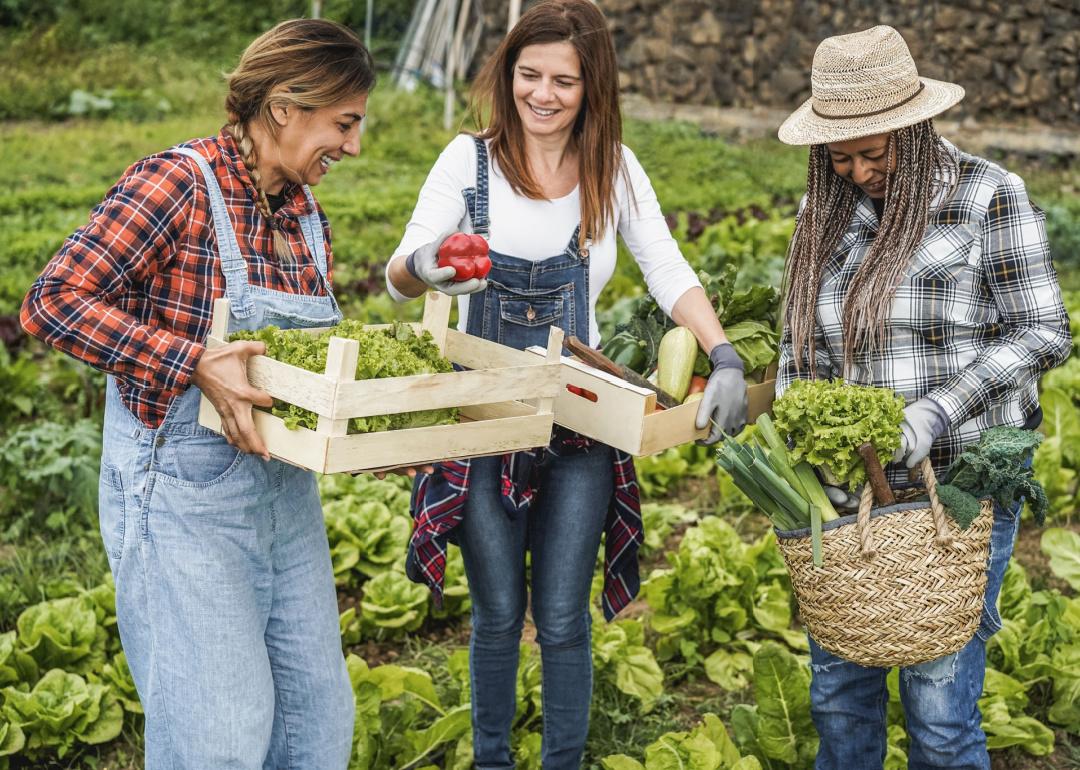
561 529
225 594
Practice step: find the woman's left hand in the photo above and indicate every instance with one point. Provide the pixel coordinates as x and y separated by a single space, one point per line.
723 405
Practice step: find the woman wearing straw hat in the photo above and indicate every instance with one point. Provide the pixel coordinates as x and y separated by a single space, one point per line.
917 267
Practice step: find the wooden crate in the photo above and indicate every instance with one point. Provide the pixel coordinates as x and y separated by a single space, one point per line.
625 416
505 400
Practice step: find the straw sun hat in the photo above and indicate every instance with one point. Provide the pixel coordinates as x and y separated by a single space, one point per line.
865 83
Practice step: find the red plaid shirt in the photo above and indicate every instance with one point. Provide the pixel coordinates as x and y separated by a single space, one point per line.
131 293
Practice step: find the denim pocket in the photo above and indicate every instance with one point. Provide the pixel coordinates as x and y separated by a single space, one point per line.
287 320
531 311
111 509
200 460
523 320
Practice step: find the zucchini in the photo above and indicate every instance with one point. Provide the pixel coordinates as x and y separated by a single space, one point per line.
675 362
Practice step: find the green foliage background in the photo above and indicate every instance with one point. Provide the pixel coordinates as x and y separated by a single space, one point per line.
88 87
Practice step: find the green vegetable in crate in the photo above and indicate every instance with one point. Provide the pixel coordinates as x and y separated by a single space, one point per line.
747 315
393 352
828 421
675 362
627 350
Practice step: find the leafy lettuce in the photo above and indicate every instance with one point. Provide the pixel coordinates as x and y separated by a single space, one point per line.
61 709
829 420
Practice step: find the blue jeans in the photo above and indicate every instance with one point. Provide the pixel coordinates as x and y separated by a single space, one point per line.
940 697
562 531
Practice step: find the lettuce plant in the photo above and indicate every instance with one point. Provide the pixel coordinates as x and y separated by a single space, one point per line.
63 709
366 537
394 352
63 633
708 746
621 657
15 665
717 592
392 605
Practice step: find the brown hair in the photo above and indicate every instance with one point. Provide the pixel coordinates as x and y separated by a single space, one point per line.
923 166
597 132
305 63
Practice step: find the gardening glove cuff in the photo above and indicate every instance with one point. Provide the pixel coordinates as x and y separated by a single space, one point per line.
423 265
924 422
723 404
723 356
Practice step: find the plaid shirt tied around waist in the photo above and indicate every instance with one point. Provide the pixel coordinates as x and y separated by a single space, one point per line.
438 507
975 320
131 292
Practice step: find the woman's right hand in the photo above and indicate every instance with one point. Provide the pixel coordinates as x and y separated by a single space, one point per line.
221 375
423 265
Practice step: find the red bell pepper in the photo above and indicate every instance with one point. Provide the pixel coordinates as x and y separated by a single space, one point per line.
467 254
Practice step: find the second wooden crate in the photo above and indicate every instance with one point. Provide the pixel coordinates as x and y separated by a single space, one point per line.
610 409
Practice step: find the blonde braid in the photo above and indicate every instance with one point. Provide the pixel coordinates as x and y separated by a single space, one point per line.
282 253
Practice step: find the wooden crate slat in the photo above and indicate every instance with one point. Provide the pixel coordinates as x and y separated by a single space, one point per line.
493 411
392 395
300 447
625 415
341 358
616 415
669 427
307 390
422 445
478 353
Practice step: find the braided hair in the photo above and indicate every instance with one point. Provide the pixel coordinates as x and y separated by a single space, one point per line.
923 166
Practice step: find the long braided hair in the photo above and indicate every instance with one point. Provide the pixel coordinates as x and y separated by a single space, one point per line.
303 63
923 165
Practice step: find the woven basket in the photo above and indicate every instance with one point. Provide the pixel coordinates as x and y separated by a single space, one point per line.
897 586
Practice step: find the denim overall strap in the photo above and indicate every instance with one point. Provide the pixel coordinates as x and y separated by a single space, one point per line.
311 227
476 198
233 264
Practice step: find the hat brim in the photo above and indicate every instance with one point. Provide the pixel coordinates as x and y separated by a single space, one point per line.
805 127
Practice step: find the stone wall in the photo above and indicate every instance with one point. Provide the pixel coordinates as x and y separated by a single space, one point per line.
1016 58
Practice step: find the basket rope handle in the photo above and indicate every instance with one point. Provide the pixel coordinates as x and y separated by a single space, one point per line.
943 537
866 540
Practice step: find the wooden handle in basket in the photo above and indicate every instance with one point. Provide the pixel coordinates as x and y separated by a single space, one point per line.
876 475
943 537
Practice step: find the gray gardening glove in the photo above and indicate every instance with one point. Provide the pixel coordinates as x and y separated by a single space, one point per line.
841 498
423 265
923 422
723 405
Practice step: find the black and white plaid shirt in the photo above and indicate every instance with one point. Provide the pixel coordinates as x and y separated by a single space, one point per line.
977 318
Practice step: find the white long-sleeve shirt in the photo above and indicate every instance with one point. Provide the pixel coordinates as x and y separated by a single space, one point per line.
538 229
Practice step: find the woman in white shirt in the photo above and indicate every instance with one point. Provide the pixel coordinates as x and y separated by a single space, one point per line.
548 183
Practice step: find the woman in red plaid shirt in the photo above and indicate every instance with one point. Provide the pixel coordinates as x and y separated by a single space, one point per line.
224 590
